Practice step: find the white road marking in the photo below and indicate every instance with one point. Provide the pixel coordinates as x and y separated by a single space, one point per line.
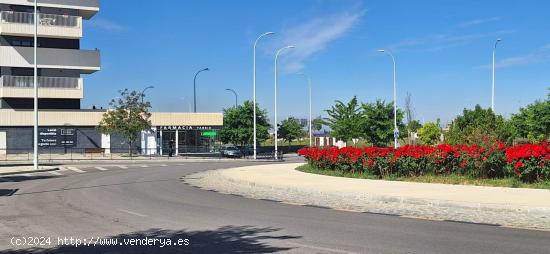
55 173
144 166
133 213
101 168
75 169
122 167
163 165
180 164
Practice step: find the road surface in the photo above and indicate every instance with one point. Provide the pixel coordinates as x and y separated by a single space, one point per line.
150 204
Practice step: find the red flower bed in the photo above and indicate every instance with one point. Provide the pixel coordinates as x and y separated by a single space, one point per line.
530 162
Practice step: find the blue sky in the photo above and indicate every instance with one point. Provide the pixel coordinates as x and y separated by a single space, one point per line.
442 48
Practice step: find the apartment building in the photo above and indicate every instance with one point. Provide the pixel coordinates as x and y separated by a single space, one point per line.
62 68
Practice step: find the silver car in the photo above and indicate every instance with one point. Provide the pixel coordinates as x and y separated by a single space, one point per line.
231 151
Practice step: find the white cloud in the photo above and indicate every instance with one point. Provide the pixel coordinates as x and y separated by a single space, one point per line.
107 25
476 22
542 55
316 35
436 42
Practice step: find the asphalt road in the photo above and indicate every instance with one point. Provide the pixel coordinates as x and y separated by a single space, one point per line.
152 204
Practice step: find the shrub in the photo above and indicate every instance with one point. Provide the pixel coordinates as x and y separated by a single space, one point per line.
478 126
430 133
527 162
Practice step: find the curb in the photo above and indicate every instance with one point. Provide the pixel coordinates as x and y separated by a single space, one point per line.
28 172
73 162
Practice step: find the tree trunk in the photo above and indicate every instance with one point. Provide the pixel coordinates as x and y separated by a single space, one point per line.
130 149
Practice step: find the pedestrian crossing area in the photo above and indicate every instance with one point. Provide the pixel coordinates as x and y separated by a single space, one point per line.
81 169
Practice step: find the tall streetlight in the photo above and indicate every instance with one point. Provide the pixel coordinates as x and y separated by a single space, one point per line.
35 146
275 124
195 89
143 92
395 129
493 83
310 119
254 86
236 96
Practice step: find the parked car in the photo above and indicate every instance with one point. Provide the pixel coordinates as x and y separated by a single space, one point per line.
231 151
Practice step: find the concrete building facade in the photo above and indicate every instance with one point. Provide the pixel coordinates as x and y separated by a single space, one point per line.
62 66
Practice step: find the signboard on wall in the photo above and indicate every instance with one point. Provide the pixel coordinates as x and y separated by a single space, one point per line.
209 133
56 137
184 127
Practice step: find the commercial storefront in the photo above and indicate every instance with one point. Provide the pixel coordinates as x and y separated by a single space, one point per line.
64 131
181 140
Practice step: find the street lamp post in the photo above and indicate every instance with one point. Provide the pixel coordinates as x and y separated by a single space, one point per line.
310 119
236 96
254 86
35 146
143 92
395 129
275 123
195 89
493 80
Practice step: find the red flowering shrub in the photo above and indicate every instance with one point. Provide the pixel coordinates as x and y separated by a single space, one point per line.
529 162
492 163
414 160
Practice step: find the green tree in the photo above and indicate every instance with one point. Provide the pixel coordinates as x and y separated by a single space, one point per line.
345 120
378 122
430 133
478 126
414 125
533 121
290 130
128 116
317 123
238 125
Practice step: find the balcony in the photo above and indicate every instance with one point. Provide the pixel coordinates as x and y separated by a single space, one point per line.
86 8
87 61
49 25
48 87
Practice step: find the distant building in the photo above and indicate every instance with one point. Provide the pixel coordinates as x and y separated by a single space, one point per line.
323 139
304 123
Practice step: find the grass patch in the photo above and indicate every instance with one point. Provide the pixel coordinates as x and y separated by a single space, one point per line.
450 179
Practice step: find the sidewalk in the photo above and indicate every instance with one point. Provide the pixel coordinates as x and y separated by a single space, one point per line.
25 167
74 161
525 208
14 170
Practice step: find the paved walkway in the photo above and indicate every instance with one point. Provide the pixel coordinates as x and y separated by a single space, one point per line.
524 208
